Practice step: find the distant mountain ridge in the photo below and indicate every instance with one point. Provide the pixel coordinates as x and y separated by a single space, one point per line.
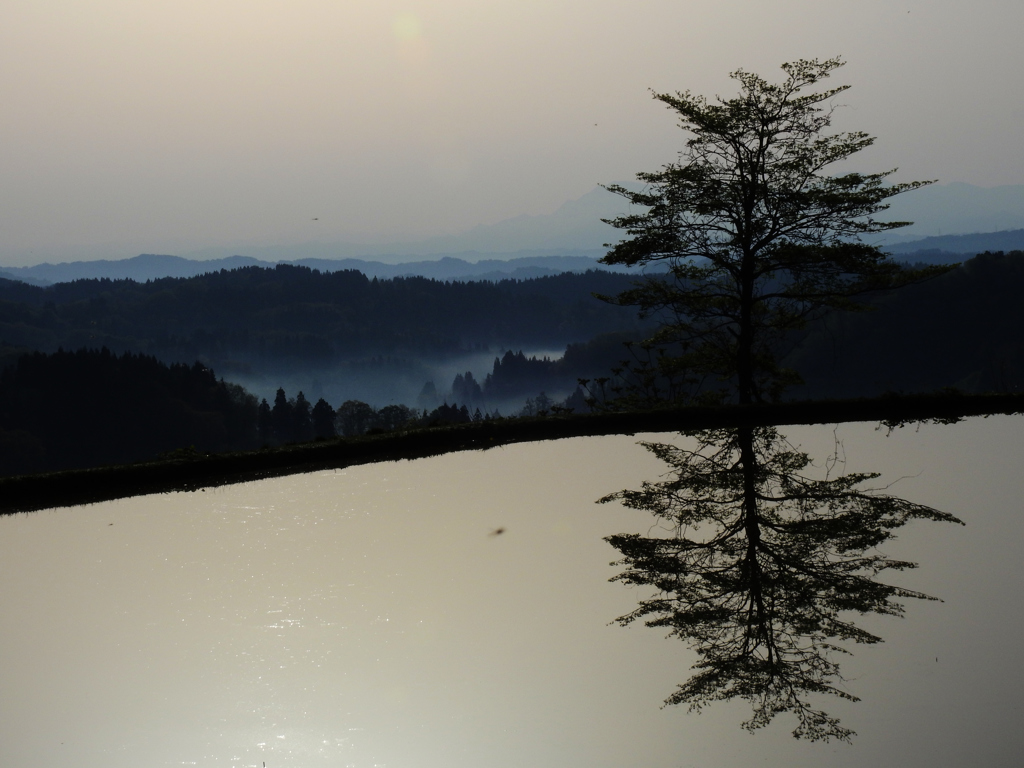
935 210
569 239
147 266
939 210
155 266
975 243
576 228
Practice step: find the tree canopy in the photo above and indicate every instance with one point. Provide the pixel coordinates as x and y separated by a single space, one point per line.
758 236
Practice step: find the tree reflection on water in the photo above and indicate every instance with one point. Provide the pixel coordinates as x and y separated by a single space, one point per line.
760 569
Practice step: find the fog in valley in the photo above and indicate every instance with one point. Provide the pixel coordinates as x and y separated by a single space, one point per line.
386 380
250 238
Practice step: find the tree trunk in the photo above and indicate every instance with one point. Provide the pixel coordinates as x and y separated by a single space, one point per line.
758 619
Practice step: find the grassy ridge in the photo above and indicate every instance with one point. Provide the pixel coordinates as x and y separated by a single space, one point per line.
194 472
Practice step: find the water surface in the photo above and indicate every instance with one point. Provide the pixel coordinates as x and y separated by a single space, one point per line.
375 617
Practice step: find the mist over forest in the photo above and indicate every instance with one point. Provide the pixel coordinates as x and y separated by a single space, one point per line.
339 335
383 352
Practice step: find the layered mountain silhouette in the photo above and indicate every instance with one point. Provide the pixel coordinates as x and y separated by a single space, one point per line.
950 220
456 268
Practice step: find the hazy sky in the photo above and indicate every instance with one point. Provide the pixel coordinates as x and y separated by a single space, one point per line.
160 126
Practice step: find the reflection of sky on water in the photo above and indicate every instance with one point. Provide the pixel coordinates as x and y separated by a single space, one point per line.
367 618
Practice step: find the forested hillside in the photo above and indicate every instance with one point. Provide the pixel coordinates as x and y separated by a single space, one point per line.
963 330
294 316
91 407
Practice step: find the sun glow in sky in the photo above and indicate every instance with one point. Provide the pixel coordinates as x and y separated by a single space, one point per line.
170 126
407 27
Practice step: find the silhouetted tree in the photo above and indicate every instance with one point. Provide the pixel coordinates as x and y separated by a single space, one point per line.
281 417
448 414
264 422
466 389
758 239
323 419
762 595
577 401
302 421
354 417
540 405
543 403
392 417
756 236
427 397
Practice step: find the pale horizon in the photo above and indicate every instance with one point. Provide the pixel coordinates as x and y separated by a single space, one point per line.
173 128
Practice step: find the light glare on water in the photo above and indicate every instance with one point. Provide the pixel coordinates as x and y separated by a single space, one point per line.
371 617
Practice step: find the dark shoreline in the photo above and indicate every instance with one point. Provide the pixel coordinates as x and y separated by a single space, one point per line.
88 486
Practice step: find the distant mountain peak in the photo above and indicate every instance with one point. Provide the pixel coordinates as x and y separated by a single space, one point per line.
970 244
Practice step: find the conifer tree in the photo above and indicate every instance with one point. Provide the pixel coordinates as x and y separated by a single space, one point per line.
323 419
264 422
281 417
302 420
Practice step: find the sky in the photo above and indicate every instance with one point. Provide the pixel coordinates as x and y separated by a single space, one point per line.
167 127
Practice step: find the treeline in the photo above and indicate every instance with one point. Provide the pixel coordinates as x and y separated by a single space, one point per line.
964 330
515 375
92 408
294 420
290 315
